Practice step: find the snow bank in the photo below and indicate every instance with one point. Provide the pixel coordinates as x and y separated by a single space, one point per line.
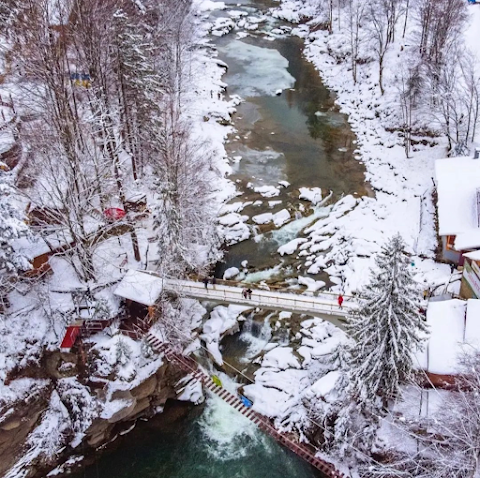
314 195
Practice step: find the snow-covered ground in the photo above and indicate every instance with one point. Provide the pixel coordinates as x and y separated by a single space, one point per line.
342 242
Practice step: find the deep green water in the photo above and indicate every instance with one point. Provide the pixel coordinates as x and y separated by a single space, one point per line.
212 442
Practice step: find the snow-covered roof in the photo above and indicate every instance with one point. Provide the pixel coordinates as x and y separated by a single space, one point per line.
453 323
468 240
474 255
30 247
141 287
458 180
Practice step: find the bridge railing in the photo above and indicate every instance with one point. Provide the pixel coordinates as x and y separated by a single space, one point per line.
273 287
259 298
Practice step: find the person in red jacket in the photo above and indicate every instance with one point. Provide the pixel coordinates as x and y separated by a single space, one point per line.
340 300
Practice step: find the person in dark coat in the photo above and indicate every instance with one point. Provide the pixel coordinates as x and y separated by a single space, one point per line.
249 293
205 282
213 281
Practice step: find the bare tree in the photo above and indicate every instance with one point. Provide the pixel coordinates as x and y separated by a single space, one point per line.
356 17
454 92
441 22
379 38
410 86
449 445
184 216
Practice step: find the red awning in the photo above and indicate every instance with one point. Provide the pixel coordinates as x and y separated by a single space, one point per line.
71 335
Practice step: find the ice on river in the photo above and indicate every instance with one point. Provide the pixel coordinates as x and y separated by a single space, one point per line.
264 71
268 165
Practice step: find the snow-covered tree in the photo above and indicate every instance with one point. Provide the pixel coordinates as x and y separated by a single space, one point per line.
387 327
448 443
12 227
184 216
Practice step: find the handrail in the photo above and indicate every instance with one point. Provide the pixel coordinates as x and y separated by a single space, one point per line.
242 283
261 298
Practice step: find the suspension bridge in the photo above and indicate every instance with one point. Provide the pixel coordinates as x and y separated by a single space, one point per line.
190 366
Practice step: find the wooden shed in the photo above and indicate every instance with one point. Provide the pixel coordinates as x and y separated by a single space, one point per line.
141 291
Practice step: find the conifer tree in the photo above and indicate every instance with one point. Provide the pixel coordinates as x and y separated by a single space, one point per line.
11 227
387 327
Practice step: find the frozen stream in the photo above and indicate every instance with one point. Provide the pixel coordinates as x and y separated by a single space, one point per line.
297 137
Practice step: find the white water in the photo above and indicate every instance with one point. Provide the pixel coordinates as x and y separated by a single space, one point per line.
229 435
256 340
292 229
266 274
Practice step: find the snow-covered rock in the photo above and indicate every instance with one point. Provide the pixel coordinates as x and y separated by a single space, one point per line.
314 195
267 191
282 217
231 272
312 285
291 247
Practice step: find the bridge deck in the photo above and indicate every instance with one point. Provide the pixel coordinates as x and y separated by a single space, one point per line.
265 299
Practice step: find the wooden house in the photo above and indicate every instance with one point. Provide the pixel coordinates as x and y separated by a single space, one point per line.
458 204
37 252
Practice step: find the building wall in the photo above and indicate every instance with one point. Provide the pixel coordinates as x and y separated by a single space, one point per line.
470 286
448 254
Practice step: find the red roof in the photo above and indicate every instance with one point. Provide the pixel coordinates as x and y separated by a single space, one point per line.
71 335
114 213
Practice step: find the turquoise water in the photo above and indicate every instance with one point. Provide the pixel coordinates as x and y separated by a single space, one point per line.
209 442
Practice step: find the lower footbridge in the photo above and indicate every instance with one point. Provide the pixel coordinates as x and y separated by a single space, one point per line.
190 366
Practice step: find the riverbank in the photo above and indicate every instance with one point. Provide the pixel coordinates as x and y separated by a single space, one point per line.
403 186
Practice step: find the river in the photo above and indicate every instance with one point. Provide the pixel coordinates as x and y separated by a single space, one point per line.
298 137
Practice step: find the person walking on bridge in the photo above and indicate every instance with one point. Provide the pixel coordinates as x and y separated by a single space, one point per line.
340 300
205 282
249 293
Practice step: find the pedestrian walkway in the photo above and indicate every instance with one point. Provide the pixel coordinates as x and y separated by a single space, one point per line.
146 288
263 299
189 365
